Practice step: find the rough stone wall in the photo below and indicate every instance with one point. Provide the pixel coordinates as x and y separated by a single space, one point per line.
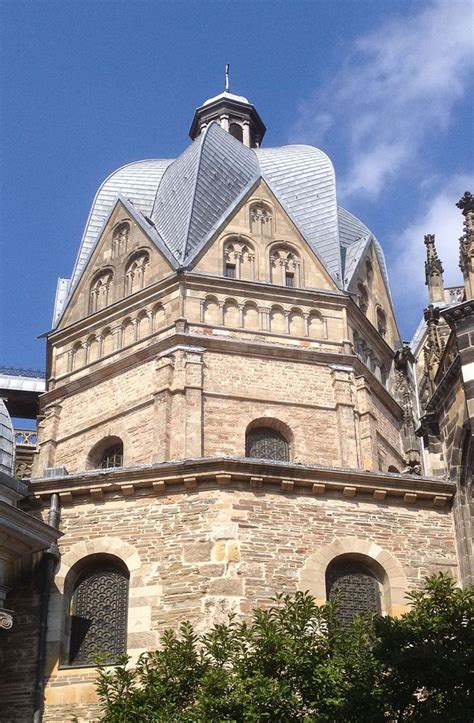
200 555
192 402
18 652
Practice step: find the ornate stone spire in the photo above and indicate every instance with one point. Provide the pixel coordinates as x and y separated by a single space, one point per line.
433 270
466 243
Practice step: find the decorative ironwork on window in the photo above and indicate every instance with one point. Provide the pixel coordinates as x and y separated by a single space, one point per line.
266 443
99 615
112 457
355 586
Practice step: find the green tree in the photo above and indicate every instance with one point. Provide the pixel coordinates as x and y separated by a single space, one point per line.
297 662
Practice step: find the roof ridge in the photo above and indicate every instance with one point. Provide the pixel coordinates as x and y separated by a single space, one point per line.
202 138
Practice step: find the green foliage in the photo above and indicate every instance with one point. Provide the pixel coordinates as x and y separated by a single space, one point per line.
297 662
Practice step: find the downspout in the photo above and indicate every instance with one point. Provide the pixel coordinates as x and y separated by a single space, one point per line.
50 558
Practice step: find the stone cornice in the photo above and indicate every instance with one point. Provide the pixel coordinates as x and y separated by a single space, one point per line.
225 345
231 472
455 314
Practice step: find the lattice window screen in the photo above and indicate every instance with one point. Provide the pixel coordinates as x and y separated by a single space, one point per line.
265 443
112 457
99 619
356 588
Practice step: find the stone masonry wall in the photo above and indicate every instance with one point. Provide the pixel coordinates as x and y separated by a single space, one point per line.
199 555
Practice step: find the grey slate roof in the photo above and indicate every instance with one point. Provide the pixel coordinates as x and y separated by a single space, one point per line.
303 180
190 197
197 189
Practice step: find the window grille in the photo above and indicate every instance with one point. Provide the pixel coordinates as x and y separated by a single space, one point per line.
112 457
355 587
99 615
230 271
289 279
265 443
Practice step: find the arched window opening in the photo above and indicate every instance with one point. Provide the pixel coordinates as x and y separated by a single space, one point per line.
393 469
100 291
236 130
266 443
369 272
239 259
363 298
381 322
120 239
355 587
135 273
98 611
261 219
112 457
106 454
285 266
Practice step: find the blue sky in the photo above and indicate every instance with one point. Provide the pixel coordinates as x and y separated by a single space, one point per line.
384 88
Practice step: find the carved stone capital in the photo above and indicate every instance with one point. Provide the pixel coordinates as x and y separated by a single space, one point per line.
6 619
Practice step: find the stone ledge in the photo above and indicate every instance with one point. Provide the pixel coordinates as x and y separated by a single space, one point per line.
207 473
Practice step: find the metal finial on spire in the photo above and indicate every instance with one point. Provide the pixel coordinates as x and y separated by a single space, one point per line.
226 85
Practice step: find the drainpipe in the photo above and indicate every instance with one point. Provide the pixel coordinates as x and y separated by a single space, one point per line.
50 558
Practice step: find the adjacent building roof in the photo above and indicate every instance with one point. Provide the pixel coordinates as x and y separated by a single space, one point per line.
187 199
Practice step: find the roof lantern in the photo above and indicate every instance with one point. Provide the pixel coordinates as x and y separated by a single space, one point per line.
234 113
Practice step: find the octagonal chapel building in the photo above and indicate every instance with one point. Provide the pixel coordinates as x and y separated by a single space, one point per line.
229 408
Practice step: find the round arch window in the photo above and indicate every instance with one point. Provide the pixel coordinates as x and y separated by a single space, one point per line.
266 443
355 587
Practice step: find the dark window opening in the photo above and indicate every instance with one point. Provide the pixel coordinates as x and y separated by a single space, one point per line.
289 279
230 271
236 130
112 457
265 443
99 615
355 587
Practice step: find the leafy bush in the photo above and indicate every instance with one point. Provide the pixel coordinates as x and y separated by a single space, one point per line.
297 662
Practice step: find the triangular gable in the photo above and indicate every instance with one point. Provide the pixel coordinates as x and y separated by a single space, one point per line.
363 249
122 210
260 190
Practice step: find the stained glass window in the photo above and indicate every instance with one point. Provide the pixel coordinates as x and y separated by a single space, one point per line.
99 614
266 443
355 586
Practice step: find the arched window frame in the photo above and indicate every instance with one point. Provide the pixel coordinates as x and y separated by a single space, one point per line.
236 130
100 290
277 432
135 271
108 575
285 265
261 219
350 603
239 251
381 318
101 454
120 239
363 297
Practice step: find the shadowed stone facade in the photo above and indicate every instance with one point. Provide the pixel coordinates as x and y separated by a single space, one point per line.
165 359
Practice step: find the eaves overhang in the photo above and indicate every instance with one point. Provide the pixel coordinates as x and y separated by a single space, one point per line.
21 533
194 475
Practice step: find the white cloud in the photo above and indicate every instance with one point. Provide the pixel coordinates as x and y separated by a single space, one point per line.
440 216
397 86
